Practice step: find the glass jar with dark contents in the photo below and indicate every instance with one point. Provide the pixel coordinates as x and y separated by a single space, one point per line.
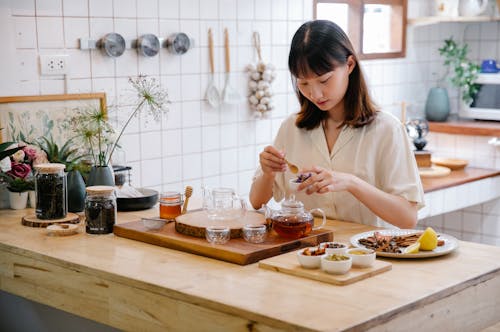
51 191
100 209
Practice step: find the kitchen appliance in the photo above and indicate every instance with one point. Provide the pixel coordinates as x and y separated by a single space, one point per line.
486 103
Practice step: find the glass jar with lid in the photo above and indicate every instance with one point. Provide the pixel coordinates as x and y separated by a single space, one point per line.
100 209
51 191
170 205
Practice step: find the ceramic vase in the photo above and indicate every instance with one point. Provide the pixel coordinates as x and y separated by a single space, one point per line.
101 176
17 200
437 106
4 197
31 199
76 191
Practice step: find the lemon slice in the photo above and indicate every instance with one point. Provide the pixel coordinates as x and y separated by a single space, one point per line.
412 249
428 240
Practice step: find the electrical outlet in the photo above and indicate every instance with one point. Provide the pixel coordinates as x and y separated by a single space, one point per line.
54 64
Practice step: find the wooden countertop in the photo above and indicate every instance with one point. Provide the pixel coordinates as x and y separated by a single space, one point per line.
467 127
137 286
466 175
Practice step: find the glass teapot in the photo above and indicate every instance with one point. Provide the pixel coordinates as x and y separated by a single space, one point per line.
292 222
223 204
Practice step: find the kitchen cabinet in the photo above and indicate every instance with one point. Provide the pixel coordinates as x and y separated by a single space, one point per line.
136 286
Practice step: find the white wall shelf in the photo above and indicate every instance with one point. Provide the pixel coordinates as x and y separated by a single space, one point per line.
428 20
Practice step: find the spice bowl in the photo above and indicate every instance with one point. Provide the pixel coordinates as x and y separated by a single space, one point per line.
254 233
217 234
361 257
332 248
153 223
310 258
336 264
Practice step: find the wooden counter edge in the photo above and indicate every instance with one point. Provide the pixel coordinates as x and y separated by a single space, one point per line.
466 127
491 277
250 317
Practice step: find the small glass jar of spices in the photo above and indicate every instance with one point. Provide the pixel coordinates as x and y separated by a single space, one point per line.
100 209
51 191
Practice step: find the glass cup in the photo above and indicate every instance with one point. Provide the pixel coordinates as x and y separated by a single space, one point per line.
254 233
217 234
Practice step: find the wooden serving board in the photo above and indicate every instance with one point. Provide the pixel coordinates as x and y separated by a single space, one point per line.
235 251
289 264
195 223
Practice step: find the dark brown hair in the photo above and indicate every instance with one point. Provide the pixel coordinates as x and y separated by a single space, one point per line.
318 47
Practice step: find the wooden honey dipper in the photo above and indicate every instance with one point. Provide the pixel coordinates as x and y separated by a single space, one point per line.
187 193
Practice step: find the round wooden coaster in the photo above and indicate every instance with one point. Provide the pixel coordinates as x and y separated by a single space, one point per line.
62 229
195 223
32 221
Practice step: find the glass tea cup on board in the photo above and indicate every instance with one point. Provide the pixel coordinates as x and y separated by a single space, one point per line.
223 204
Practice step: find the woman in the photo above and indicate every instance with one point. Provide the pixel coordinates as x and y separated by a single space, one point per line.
360 159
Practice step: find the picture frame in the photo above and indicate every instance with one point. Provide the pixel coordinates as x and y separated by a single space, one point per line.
43 115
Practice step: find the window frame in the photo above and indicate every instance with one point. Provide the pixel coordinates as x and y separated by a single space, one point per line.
355 25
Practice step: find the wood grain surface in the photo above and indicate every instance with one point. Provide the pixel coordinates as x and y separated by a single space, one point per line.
236 250
134 286
289 264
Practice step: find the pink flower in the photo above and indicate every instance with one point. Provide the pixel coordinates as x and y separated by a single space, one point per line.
31 152
19 170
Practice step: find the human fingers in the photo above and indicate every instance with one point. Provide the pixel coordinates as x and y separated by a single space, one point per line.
272 160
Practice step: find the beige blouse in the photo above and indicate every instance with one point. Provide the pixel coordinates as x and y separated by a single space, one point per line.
379 153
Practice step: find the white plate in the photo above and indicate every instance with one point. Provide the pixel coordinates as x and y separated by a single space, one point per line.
450 243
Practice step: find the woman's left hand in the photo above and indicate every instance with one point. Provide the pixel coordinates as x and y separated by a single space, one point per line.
322 181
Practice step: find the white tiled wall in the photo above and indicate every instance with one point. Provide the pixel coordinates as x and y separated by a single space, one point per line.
196 144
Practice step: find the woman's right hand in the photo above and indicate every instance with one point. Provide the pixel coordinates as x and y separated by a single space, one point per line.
272 160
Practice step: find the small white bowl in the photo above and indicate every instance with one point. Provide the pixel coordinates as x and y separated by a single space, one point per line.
336 267
309 262
153 223
334 248
293 185
361 257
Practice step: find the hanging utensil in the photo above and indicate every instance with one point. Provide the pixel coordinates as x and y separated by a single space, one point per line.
229 94
212 94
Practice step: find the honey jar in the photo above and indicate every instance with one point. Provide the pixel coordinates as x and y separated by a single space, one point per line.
170 205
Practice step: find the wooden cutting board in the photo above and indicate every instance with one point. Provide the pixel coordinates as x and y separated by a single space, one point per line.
235 251
289 264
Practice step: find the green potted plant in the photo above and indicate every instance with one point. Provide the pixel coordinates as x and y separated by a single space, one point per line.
91 125
464 71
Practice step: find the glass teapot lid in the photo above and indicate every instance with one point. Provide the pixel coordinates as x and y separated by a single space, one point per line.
291 205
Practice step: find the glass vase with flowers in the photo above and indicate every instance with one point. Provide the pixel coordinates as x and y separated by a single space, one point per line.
93 128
